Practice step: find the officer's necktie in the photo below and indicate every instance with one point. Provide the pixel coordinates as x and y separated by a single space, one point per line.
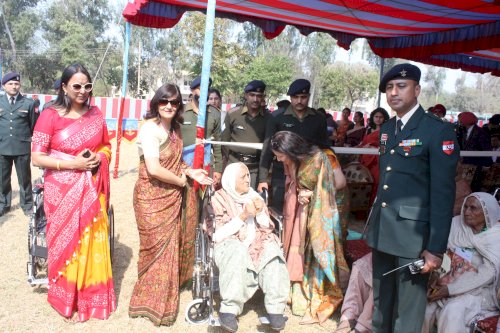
399 125
12 100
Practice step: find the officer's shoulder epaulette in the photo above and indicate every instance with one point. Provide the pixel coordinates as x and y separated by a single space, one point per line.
211 108
433 116
234 109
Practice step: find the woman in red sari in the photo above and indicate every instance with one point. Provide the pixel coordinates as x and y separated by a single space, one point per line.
166 244
75 199
371 140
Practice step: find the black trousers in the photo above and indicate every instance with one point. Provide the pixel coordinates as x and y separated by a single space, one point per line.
22 163
399 298
277 186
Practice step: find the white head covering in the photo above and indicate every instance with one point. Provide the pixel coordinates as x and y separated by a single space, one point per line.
487 243
229 183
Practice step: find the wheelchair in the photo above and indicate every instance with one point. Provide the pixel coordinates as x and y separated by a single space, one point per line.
205 277
37 244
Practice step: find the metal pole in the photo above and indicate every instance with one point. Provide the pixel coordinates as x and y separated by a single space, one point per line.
379 96
205 74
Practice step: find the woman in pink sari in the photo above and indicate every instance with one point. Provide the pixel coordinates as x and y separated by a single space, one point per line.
71 143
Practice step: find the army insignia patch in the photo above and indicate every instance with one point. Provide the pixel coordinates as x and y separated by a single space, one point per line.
383 138
448 147
403 73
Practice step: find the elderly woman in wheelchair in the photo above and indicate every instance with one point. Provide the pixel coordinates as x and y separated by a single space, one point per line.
247 252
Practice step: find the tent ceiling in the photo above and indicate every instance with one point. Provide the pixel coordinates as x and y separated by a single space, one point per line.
461 34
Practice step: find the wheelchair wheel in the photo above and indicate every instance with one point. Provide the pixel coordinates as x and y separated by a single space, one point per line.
200 283
197 311
111 231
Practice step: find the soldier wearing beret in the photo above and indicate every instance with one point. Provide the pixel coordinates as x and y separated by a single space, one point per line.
297 118
247 123
412 213
212 126
17 120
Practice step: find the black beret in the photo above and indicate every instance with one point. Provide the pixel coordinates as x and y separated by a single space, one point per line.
57 84
11 77
197 82
256 86
300 86
401 71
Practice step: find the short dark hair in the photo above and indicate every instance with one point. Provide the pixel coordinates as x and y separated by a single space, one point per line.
293 145
349 110
371 123
322 110
62 99
164 92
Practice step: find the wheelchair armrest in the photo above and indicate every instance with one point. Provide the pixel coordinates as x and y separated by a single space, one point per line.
275 214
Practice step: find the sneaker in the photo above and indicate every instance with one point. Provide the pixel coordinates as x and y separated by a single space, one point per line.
277 321
228 322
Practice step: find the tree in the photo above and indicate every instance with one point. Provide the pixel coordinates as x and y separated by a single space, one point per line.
435 77
274 71
343 85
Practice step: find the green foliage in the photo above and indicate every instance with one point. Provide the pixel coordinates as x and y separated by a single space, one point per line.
273 70
343 85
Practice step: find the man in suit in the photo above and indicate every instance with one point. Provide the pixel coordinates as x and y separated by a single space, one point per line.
17 120
412 213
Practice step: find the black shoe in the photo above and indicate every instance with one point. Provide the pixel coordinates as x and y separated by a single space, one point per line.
277 321
4 211
228 322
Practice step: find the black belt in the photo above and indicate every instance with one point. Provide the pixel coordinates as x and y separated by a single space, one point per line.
246 158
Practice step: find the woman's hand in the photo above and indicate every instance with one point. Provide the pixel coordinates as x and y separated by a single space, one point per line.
438 293
249 210
304 196
182 181
201 176
259 204
87 162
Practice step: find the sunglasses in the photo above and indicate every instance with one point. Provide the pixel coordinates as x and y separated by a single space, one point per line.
174 102
77 87
274 145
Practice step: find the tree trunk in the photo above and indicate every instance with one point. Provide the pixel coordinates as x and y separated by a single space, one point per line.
7 30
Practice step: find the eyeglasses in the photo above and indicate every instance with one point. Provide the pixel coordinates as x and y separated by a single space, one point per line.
174 102
77 87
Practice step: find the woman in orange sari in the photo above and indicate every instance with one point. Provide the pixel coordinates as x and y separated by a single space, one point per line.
166 254
70 142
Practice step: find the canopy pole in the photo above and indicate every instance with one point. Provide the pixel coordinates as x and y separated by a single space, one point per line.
205 74
122 98
379 95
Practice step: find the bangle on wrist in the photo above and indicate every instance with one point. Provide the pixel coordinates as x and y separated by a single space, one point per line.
58 165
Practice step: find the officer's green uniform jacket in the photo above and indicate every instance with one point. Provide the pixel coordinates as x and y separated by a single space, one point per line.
414 204
240 126
16 125
212 130
312 128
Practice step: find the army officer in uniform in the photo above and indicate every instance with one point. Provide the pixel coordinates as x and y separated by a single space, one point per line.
212 127
412 213
297 118
17 120
247 123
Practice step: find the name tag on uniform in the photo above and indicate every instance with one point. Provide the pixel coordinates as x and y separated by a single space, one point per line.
186 123
24 111
383 138
240 127
288 125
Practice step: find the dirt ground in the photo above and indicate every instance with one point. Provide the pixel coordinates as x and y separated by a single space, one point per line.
24 308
